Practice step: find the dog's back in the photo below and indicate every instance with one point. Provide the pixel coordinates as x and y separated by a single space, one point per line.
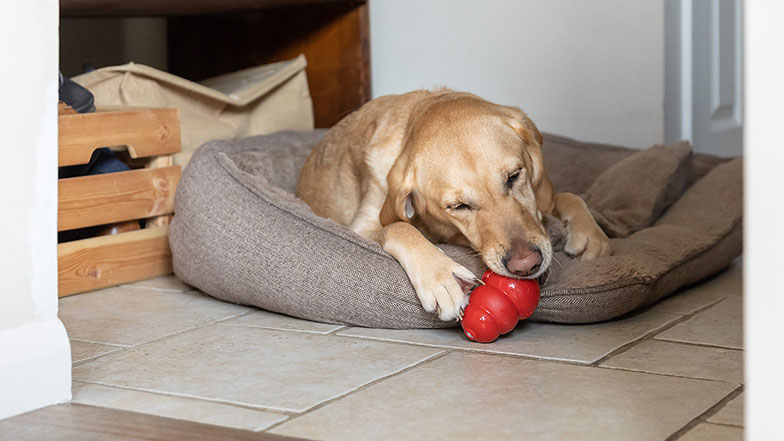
336 174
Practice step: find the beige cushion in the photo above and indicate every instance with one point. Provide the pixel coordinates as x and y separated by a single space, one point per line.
255 101
655 178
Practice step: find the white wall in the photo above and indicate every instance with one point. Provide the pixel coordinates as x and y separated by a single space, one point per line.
763 302
35 361
592 70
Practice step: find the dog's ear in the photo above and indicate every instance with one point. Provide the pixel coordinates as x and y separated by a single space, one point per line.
397 207
543 187
399 203
540 180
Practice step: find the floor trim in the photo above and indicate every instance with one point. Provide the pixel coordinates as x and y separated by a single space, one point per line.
35 367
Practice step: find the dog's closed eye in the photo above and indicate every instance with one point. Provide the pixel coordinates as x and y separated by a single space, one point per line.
460 206
512 178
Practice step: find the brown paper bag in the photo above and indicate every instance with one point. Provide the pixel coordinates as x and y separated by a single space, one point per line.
249 102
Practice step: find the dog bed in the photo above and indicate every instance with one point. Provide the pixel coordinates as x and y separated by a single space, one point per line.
240 234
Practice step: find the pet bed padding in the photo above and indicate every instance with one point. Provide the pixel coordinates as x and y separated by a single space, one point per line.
240 234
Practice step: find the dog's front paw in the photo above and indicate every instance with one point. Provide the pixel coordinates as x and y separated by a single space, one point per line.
588 243
442 286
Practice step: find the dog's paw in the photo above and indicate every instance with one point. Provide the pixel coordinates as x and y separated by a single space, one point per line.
588 243
442 286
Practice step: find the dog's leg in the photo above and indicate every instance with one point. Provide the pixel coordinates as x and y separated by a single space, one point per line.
585 240
441 283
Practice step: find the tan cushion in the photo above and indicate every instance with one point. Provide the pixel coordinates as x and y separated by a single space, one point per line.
653 180
255 101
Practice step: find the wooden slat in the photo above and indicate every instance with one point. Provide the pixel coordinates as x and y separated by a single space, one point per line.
64 109
87 201
146 132
157 162
98 262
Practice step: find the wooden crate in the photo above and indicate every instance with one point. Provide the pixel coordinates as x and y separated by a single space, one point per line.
151 136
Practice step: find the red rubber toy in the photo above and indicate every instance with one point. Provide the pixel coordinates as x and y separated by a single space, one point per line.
495 307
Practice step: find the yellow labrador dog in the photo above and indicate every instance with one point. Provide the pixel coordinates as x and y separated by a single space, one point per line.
445 167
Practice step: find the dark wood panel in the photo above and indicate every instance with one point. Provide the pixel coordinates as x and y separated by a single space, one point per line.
87 423
333 37
104 8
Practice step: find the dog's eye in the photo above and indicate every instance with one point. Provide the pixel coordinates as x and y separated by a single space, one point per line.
510 181
460 206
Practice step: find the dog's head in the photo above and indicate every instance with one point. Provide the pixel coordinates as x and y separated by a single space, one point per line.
472 173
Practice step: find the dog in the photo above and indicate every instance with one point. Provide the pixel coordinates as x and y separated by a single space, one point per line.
426 167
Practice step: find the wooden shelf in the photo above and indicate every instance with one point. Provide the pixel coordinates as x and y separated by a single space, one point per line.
206 38
334 37
125 8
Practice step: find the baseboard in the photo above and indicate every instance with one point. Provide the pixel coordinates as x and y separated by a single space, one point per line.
35 367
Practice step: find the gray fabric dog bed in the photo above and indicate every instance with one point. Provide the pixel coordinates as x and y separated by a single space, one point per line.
240 234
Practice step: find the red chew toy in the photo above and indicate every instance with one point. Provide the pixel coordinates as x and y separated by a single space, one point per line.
495 308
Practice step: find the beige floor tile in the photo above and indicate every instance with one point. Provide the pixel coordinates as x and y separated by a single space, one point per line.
129 316
713 432
579 343
733 277
465 396
254 367
727 283
174 407
271 320
732 413
163 283
688 301
82 350
719 325
684 360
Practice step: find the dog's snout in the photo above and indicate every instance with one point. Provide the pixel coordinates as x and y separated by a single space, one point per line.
523 261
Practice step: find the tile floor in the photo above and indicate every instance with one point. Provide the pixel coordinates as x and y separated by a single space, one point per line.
672 372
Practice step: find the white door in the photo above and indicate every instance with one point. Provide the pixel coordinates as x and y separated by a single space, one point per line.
704 84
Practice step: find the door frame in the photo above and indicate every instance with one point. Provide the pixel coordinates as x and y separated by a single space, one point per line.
678 24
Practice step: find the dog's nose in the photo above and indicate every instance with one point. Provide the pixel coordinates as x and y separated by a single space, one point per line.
523 261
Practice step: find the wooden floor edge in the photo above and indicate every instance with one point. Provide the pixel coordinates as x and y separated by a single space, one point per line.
71 421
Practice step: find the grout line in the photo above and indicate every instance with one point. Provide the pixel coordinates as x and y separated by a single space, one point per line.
456 349
81 340
725 424
467 350
703 417
123 348
193 328
704 345
270 328
156 289
427 360
651 334
335 331
95 357
233 317
470 350
195 398
664 374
